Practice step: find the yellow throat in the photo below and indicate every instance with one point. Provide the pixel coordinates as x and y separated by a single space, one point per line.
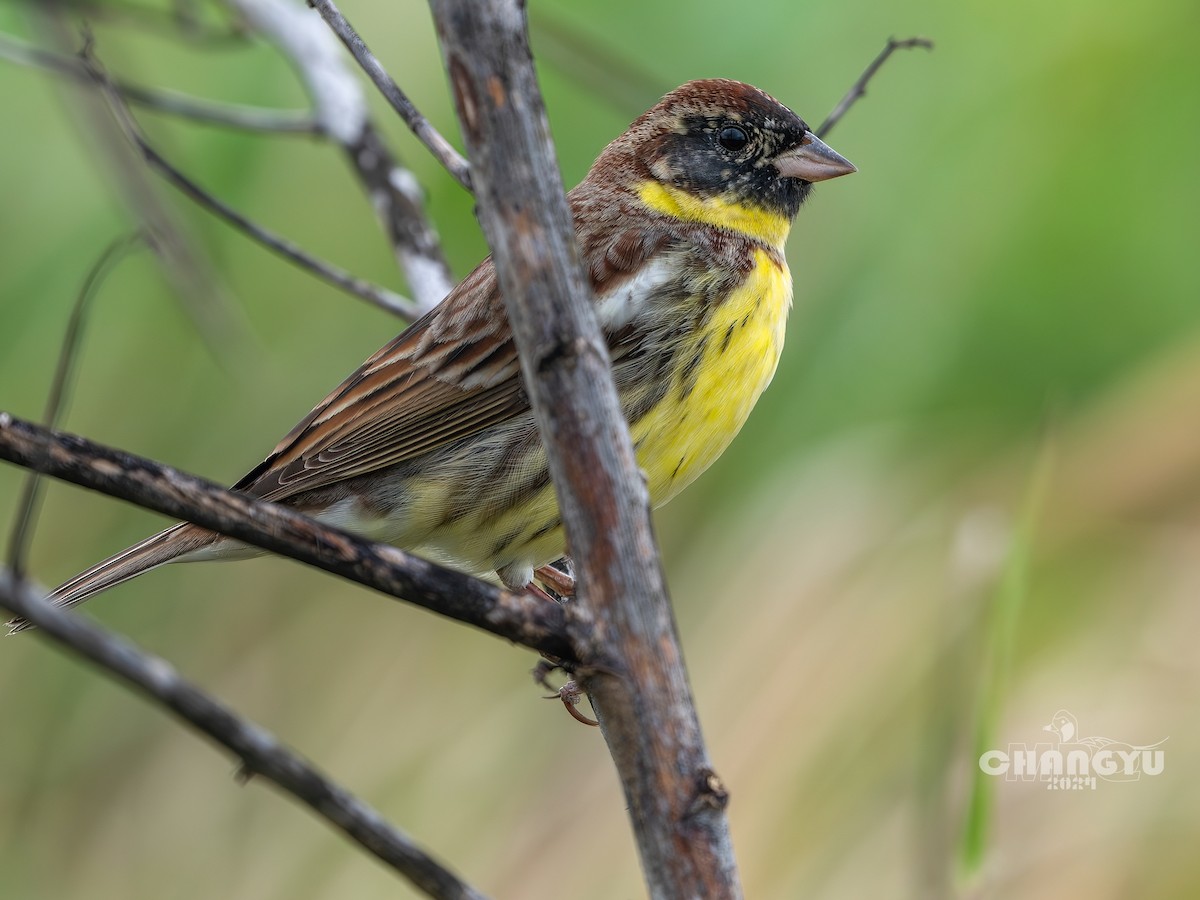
760 224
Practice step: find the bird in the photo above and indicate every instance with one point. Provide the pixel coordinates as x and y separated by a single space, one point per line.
431 444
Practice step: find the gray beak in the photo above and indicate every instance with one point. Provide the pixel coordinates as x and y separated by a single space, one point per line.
813 160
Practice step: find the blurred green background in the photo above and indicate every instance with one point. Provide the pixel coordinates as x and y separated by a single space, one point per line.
970 498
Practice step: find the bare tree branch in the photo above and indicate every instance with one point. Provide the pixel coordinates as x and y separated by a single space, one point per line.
385 299
521 618
441 149
859 88
381 297
398 200
637 680
341 109
337 98
392 187
229 115
260 753
27 505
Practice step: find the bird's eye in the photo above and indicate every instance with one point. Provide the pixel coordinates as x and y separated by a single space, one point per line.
733 138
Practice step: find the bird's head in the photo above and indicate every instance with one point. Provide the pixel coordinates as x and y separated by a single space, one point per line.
721 151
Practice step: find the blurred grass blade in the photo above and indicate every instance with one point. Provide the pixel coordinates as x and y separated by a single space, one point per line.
1000 635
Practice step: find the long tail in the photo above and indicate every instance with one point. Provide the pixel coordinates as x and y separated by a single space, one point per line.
151 553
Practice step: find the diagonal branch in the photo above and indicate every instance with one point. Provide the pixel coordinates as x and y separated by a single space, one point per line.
399 203
638 683
227 115
394 193
352 284
341 109
520 618
277 244
859 88
260 752
441 148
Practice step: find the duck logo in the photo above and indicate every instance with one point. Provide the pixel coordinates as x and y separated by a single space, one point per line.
1073 763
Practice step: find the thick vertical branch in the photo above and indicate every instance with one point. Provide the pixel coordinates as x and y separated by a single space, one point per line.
638 685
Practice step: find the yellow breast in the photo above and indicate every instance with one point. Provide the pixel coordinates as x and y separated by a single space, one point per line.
738 351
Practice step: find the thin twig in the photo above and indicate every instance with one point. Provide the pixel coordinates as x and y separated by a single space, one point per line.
381 297
451 159
394 303
397 201
259 752
229 115
340 105
859 88
27 505
518 617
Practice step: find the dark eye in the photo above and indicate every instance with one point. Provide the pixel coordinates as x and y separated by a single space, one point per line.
733 138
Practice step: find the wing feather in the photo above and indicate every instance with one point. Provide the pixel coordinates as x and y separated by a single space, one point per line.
453 373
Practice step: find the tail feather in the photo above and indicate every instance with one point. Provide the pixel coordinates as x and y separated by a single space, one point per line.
164 547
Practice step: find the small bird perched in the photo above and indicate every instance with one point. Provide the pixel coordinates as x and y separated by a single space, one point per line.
431 444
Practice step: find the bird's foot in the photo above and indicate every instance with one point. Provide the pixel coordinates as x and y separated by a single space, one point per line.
570 693
559 581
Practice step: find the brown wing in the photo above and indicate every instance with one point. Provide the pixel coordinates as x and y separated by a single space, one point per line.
452 373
